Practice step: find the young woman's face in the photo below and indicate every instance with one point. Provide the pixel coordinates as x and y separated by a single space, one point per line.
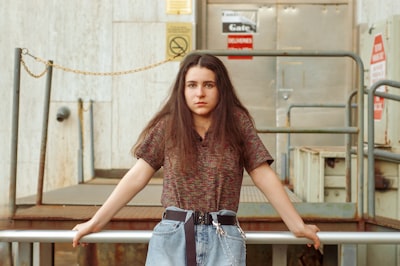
201 92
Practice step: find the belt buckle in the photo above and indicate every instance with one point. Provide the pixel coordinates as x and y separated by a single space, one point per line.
201 217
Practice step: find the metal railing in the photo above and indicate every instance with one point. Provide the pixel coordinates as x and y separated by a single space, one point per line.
348 121
357 130
143 236
347 240
372 152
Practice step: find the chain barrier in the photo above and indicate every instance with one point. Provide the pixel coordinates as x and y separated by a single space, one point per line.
25 52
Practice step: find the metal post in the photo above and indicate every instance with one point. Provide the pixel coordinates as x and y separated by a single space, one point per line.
24 254
43 254
14 131
348 142
91 140
279 255
43 146
348 255
80 138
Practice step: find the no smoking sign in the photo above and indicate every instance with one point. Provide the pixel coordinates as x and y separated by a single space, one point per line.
179 37
178 45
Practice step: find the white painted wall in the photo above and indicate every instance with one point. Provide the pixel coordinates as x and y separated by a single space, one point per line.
373 11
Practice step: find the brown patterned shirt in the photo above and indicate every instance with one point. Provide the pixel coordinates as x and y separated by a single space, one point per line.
216 180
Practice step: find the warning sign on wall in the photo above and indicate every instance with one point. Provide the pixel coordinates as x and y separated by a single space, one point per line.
179 36
240 42
239 21
378 72
179 7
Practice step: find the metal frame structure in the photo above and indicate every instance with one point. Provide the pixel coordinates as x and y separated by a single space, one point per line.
348 121
358 130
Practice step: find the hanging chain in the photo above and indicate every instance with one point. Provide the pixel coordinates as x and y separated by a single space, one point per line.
82 72
25 52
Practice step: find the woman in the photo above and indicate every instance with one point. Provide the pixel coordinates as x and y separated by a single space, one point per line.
204 138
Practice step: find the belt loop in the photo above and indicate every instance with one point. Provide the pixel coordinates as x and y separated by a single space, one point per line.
216 223
189 214
214 216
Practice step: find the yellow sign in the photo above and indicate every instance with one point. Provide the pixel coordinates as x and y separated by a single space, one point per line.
179 39
178 7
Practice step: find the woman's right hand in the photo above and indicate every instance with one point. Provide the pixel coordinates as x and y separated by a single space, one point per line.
82 230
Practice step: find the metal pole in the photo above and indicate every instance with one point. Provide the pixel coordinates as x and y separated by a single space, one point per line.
80 138
91 141
327 130
348 141
43 146
14 131
387 155
252 237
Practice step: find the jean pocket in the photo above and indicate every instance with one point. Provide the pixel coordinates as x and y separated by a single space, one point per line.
167 244
166 227
233 244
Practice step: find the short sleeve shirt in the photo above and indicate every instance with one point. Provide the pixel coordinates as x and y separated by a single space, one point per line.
215 181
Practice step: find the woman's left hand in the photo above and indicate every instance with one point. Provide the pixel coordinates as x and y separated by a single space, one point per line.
310 231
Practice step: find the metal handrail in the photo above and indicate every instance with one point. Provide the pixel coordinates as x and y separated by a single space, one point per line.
371 137
347 108
143 236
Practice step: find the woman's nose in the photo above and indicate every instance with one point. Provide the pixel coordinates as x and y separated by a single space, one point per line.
200 91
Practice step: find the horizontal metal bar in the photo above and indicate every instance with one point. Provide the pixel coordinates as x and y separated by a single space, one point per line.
130 236
289 53
327 130
387 155
387 95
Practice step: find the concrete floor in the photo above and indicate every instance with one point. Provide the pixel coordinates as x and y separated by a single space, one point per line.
97 190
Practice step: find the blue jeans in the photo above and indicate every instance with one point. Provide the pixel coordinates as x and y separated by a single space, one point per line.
215 245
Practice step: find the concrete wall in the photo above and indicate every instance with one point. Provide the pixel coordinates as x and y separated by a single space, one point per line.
372 11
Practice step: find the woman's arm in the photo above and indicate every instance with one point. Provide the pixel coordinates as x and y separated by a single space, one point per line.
265 178
131 184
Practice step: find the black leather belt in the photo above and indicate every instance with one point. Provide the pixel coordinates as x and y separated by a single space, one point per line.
199 217
196 218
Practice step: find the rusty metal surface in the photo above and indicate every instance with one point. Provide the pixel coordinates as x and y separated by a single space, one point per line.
65 212
68 206
65 217
145 218
379 223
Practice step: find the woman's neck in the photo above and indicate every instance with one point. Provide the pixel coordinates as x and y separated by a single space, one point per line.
201 125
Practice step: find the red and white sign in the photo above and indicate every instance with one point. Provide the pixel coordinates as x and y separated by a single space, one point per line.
240 42
378 72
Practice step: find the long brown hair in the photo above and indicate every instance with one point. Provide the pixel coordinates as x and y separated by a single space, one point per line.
179 127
